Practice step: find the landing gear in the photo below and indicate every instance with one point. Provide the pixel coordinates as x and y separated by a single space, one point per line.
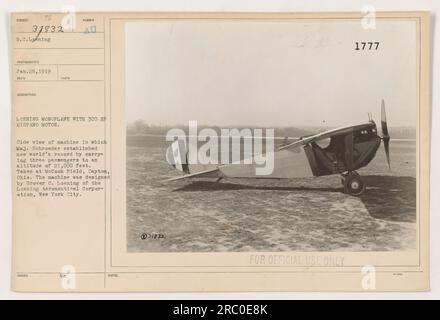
353 183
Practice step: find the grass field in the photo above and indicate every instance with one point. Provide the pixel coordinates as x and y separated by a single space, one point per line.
308 214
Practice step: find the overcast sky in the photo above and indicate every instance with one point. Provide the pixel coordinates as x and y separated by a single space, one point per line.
269 73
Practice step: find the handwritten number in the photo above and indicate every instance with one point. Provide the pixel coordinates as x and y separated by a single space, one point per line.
47 29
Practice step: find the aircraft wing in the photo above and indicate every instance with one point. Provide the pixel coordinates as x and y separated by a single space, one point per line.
324 135
205 173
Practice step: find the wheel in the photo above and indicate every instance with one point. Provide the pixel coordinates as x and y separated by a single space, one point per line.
353 184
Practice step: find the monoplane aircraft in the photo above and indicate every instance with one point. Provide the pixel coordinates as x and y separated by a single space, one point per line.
348 149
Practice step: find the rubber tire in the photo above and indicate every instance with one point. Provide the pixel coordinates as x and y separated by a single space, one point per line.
353 184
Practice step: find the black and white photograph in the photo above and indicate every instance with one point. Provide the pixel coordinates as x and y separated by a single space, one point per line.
271 136
279 150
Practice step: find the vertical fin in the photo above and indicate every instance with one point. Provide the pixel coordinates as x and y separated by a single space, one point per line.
177 155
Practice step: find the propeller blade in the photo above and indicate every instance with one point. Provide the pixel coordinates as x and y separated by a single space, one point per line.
384 120
386 144
385 133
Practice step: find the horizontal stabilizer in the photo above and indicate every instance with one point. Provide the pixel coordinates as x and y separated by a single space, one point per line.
206 173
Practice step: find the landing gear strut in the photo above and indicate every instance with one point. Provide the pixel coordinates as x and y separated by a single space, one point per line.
353 183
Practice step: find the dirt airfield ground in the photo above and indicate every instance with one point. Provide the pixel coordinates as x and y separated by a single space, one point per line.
308 214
